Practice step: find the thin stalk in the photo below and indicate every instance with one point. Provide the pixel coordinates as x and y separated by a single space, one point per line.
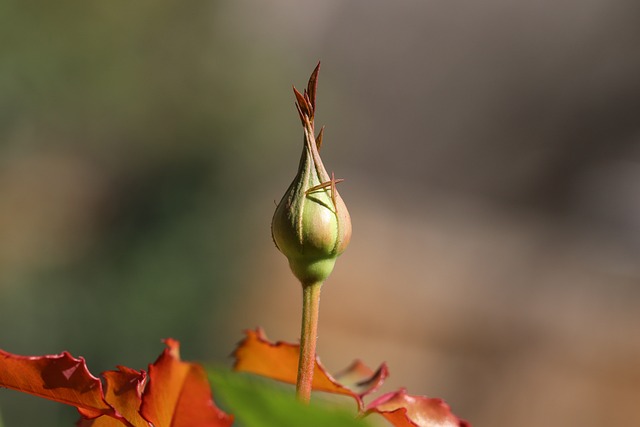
308 338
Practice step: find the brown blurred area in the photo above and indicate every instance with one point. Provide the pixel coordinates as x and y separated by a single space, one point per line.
491 152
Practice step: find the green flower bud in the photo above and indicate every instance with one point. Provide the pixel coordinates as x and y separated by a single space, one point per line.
311 225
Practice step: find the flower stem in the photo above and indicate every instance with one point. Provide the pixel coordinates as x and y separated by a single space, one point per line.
308 338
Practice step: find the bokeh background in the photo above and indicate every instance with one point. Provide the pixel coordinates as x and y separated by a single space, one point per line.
491 152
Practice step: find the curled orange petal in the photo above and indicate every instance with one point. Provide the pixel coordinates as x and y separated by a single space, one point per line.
60 377
279 361
178 394
404 410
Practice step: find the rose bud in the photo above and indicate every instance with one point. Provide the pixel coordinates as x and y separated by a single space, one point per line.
311 225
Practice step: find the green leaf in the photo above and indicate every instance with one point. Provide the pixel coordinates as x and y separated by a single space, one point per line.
258 403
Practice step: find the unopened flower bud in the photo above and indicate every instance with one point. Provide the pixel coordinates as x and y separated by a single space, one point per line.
311 225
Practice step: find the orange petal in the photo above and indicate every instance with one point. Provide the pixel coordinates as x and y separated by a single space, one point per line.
361 379
404 410
195 407
178 394
279 361
56 377
103 421
124 394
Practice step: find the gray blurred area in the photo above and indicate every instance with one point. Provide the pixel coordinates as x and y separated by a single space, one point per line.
491 152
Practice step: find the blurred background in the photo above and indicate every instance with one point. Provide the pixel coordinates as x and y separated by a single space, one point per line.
491 152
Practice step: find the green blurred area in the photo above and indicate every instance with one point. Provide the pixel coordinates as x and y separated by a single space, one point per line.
126 168
257 402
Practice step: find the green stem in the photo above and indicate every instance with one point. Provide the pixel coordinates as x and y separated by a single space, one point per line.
308 338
